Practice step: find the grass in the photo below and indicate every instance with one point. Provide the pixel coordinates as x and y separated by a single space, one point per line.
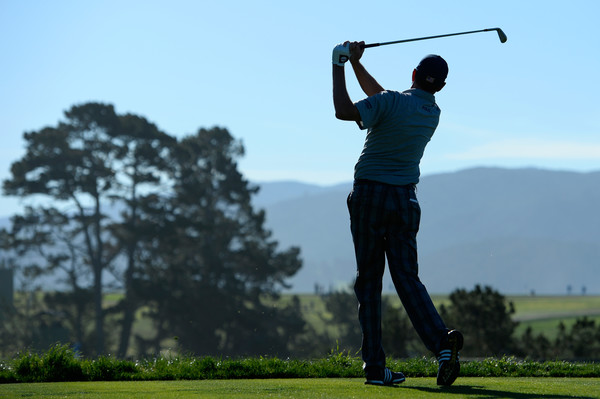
59 373
60 364
544 307
338 388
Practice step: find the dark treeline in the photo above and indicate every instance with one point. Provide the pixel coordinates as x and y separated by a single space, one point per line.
483 315
117 205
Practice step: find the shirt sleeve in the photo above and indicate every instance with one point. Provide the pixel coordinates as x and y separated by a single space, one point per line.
371 109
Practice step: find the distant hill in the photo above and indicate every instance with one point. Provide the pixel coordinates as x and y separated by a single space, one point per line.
518 230
275 192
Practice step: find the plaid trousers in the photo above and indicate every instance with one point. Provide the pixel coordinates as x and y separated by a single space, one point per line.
384 221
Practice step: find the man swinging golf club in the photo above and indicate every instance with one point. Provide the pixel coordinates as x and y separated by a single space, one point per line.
384 211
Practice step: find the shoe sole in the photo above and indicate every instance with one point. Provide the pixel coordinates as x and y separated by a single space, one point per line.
456 341
452 366
382 384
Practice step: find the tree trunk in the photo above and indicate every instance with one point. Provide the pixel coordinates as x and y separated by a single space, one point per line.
81 299
129 306
98 265
128 309
99 312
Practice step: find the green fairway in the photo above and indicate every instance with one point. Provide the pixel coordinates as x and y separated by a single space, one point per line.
536 307
525 388
544 313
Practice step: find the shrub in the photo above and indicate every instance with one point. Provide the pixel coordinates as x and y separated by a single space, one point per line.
58 364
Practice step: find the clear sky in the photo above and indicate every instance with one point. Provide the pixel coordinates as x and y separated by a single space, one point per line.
262 69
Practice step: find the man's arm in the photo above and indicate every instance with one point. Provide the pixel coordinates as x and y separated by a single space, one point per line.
344 107
367 82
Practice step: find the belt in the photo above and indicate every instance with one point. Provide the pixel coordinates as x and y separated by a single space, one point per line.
410 186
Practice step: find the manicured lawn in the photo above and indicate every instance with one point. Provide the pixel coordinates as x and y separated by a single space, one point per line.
544 313
532 307
338 388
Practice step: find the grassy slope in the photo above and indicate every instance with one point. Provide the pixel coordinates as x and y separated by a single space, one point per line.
541 313
313 388
544 313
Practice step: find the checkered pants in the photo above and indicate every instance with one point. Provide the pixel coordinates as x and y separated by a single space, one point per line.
384 221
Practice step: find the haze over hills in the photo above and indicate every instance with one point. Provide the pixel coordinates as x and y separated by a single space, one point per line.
518 230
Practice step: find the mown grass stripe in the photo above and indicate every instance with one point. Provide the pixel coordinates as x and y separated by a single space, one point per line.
324 388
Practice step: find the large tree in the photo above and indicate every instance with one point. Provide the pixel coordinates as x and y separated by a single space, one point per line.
213 272
80 172
140 174
71 166
168 222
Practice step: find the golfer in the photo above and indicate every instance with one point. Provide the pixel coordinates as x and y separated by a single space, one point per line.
384 211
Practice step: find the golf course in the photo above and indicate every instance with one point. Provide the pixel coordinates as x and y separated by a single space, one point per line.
338 388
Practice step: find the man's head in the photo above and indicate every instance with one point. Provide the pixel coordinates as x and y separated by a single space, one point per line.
430 75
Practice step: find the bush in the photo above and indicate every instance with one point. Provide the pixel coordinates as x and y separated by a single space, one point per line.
484 316
58 364
106 368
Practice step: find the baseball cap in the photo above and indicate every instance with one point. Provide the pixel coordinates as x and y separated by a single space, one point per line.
432 69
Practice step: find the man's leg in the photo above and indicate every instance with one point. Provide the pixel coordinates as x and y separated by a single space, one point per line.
401 251
365 207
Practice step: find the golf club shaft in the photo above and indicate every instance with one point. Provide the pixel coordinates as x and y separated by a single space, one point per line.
501 35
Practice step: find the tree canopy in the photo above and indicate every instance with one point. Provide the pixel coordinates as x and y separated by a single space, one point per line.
121 205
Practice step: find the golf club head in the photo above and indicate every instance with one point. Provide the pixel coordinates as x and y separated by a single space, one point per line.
501 35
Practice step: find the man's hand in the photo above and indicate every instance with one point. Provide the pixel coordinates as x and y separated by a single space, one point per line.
341 54
356 51
366 81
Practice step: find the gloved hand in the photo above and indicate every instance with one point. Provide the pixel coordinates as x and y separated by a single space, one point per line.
341 54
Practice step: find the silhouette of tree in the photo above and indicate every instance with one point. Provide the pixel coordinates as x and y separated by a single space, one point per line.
212 272
484 316
72 166
535 346
581 342
170 222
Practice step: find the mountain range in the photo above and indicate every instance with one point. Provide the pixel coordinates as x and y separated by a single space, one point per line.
520 231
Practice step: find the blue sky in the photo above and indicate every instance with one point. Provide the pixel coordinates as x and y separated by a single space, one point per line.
262 70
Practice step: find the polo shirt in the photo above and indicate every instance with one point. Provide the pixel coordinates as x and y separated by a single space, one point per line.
399 126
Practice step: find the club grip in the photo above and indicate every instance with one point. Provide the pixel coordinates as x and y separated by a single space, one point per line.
371 45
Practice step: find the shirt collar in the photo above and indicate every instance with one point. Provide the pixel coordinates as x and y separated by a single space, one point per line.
421 93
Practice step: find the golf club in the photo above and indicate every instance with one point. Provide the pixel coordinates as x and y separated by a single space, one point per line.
501 35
